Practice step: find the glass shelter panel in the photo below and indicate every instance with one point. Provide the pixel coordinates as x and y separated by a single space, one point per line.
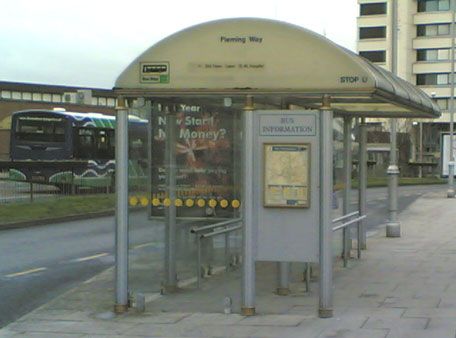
192 181
338 179
146 236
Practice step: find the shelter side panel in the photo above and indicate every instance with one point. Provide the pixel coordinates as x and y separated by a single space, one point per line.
287 185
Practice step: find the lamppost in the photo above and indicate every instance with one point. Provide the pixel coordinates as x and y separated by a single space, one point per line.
450 192
393 227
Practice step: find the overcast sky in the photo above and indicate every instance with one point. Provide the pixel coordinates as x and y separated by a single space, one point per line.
89 42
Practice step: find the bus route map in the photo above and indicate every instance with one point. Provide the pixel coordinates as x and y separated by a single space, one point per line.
286 173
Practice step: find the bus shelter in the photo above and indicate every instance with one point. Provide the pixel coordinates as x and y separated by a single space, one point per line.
241 125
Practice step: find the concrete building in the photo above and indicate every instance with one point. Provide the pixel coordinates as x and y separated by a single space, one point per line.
424 54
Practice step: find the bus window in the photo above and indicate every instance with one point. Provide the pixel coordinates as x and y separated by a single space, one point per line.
40 129
104 145
84 147
94 143
137 147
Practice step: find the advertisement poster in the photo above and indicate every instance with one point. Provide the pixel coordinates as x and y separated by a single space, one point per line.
205 155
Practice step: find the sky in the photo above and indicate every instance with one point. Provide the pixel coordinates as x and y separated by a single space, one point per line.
89 42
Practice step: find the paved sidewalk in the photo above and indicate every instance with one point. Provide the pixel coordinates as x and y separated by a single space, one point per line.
403 287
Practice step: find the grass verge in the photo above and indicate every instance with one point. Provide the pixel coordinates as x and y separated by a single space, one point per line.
383 182
85 204
55 208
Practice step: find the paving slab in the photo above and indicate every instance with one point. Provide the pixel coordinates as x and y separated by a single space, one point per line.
154 317
431 312
272 320
45 335
411 302
442 324
379 322
428 333
358 333
302 331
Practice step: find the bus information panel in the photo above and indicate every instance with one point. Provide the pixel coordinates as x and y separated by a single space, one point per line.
286 175
286 193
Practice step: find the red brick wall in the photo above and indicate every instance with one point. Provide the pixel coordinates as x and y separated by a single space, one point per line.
4 144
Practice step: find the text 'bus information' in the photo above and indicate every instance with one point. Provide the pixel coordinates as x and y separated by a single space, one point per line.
287 125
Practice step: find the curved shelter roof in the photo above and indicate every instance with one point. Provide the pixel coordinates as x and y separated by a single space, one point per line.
275 61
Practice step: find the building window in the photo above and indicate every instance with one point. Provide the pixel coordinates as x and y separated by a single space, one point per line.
56 98
374 55
102 101
372 9
47 97
372 32
36 96
6 94
433 54
27 96
442 103
443 79
433 5
111 102
433 30
433 79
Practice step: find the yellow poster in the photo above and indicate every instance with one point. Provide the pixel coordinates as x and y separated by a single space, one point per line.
286 175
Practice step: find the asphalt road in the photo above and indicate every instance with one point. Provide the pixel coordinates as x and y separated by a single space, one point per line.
39 263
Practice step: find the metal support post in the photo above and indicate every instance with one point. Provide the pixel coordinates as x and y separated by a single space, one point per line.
73 186
283 288
393 227
420 168
208 252
121 150
283 268
149 107
248 238
451 191
362 190
307 271
326 190
227 251
170 211
347 186
198 261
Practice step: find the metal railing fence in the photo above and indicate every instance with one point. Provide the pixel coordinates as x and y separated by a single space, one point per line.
210 231
347 221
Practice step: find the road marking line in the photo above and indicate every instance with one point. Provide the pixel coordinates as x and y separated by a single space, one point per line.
88 258
90 280
22 273
142 245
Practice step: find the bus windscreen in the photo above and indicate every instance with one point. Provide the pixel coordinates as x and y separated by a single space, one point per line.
40 129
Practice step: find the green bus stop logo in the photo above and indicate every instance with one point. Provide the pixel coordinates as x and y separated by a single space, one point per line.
154 72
